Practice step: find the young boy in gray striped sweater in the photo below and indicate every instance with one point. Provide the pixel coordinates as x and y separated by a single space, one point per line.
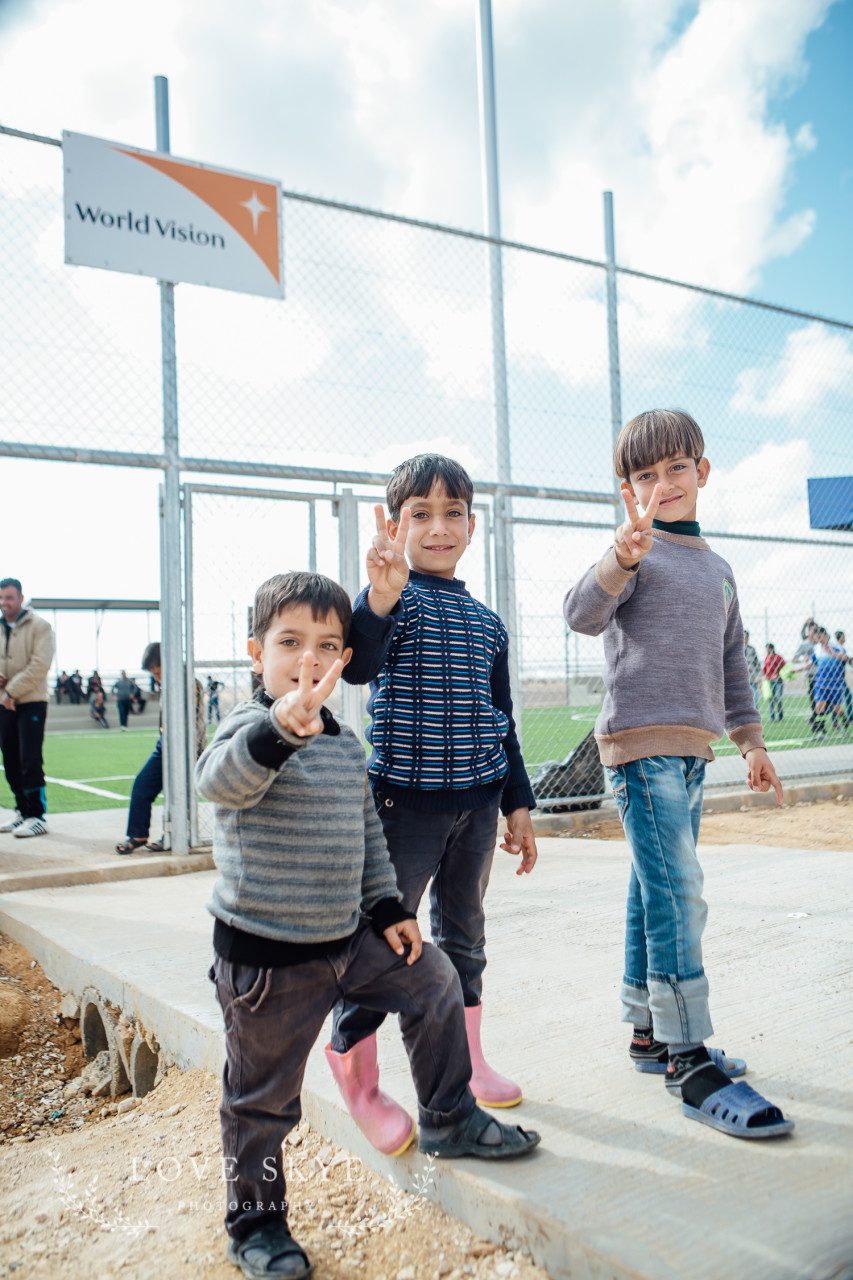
308 913
675 678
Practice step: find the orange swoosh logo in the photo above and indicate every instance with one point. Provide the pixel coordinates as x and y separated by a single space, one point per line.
247 205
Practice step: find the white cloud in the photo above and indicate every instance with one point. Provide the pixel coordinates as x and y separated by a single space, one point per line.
680 128
814 363
763 493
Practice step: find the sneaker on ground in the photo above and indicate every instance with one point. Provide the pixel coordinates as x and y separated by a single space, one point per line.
13 822
31 827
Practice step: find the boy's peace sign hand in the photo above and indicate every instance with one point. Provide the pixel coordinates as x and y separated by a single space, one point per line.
299 711
387 567
634 537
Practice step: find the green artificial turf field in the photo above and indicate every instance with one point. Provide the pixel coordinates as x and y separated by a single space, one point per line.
108 761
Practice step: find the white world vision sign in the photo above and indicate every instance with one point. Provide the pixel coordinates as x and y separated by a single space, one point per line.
150 214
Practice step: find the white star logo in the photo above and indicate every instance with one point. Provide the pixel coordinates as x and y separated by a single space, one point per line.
255 209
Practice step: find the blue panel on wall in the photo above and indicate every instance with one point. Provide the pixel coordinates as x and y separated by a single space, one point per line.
831 502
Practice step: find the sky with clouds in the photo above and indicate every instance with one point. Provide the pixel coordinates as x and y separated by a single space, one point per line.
720 129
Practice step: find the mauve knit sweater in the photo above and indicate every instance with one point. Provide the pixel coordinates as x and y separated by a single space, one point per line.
675 673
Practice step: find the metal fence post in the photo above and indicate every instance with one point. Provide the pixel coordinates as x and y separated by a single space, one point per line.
190 750
346 509
504 533
613 338
175 726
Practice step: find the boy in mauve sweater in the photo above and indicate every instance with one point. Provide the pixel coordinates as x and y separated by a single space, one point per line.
308 913
675 678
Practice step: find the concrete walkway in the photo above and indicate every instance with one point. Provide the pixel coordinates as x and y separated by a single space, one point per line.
623 1185
80 849
800 762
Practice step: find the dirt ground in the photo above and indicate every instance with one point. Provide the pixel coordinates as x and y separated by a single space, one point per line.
819 824
87 1191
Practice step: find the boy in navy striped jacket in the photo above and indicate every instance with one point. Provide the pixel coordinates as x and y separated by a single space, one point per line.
446 757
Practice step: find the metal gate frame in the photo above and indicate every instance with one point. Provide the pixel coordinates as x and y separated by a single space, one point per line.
345 505
188 491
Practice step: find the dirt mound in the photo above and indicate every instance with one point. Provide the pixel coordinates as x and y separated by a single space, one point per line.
15 1013
45 1054
91 1186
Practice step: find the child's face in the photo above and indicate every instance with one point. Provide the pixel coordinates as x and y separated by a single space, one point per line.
680 479
439 534
278 658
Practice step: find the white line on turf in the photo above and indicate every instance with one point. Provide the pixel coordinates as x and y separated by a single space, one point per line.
80 786
110 777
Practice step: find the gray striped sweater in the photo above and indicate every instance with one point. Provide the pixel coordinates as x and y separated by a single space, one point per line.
297 842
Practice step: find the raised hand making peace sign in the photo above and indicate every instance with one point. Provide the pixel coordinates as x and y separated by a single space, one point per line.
387 568
299 711
634 537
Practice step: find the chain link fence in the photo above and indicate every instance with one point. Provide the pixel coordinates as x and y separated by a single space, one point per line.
384 348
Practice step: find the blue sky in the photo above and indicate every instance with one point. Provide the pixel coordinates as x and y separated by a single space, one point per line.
819 276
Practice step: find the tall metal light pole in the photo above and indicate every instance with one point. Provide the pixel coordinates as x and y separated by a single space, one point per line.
504 536
613 339
173 688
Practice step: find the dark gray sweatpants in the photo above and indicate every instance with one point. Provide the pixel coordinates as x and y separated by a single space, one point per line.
452 853
272 1019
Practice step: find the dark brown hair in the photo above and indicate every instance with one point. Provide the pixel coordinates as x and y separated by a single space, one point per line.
416 478
653 436
151 656
289 590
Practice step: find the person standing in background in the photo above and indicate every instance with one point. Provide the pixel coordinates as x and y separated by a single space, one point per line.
148 783
213 687
753 668
841 641
26 652
773 664
123 690
802 653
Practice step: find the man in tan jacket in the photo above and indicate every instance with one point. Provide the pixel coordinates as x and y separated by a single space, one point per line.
26 652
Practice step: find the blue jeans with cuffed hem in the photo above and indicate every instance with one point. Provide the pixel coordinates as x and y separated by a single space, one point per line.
660 804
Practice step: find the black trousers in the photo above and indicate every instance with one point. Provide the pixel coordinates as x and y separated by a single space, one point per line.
452 853
124 706
21 739
272 1018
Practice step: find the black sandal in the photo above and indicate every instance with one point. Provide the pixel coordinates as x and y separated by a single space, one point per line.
257 1255
131 844
466 1139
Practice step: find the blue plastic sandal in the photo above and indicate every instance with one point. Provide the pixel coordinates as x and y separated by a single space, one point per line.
733 1067
732 1108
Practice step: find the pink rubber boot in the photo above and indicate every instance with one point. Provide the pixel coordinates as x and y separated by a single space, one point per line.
490 1089
383 1121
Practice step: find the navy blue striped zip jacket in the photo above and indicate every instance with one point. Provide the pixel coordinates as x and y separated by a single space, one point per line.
442 731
